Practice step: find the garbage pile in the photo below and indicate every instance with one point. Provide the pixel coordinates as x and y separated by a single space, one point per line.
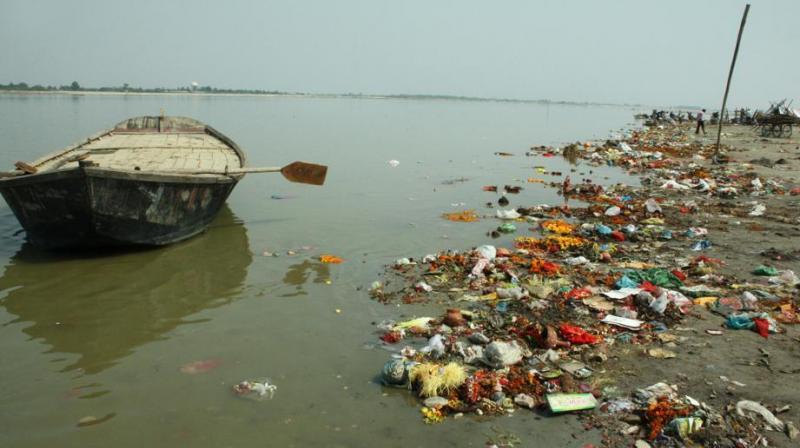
528 325
663 416
679 171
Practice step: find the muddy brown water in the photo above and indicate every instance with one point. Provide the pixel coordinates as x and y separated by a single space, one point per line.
93 343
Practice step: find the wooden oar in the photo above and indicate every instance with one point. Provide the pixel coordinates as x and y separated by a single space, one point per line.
302 172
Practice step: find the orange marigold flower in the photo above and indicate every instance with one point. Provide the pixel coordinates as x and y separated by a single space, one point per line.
330 259
465 216
544 267
526 242
558 226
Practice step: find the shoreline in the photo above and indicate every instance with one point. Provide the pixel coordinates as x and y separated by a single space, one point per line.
703 236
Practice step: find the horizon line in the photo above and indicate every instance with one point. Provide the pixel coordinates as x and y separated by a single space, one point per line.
23 87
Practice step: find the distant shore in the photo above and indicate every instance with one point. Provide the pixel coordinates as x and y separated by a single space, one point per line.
312 95
115 93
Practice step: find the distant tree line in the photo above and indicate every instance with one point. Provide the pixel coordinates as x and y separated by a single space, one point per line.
76 87
126 88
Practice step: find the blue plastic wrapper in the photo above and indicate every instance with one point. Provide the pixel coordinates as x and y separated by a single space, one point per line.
625 337
625 282
602 229
740 322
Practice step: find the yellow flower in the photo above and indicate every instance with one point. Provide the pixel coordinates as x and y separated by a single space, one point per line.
526 242
435 379
432 415
565 242
558 226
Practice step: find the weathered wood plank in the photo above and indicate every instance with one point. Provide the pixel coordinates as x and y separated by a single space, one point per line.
183 143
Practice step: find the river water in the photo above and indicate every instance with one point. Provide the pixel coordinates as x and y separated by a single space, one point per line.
105 335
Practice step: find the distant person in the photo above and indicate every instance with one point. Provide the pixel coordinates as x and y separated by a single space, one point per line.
566 187
701 122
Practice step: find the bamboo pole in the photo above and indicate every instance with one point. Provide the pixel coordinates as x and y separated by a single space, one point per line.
730 75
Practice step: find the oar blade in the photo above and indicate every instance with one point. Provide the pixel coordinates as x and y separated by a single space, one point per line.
305 173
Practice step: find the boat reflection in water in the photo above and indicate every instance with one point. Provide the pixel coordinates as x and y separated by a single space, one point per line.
101 306
298 275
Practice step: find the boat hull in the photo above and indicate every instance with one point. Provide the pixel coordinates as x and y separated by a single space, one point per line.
91 207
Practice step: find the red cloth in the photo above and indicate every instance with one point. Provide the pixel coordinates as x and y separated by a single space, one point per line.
707 260
579 293
577 335
762 327
392 337
617 235
649 287
678 273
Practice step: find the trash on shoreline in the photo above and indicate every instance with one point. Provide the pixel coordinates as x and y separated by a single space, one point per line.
570 402
529 324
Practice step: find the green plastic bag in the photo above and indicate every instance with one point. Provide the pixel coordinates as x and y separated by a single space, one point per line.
507 228
657 276
765 270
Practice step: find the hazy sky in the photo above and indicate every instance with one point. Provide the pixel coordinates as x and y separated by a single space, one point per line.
651 52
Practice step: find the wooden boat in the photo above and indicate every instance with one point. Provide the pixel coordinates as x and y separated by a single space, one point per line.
148 181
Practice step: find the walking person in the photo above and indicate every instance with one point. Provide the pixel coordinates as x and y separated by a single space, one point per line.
701 122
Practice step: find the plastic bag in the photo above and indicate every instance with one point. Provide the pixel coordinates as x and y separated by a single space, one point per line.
758 210
657 276
671 184
515 293
652 206
769 417
508 214
577 335
435 346
480 265
765 270
501 354
507 228
626 282
602 229
680 300
395 372
486 251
